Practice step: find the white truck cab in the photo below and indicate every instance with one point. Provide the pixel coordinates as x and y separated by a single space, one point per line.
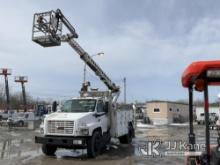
82 115
85 123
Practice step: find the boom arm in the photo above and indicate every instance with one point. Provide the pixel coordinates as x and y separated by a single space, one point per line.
92 64
49 25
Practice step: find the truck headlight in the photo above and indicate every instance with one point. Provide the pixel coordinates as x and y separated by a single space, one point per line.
84 131
83 125
41 130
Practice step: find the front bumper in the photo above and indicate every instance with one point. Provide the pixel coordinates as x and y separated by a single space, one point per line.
63 142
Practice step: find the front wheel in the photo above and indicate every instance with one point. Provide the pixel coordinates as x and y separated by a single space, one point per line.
49 150
94 145
215 158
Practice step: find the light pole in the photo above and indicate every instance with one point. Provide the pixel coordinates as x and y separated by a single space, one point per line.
5 72
84 70
22 80
125 85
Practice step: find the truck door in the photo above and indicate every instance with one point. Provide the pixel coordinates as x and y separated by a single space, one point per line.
26 117
101 115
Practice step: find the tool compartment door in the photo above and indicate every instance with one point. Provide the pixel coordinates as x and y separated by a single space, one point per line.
121 119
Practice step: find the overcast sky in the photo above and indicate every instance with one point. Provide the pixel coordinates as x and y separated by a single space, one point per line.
150 42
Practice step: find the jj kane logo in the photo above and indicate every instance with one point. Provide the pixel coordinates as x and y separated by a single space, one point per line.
151 148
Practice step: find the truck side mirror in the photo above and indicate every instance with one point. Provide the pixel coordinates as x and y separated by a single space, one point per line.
54 106
106 107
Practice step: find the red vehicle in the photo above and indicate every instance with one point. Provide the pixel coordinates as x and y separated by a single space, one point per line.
198 76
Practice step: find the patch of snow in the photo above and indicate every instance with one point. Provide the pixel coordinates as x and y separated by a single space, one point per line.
141 125
179 124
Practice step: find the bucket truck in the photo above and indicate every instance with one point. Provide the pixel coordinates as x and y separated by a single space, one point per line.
90 120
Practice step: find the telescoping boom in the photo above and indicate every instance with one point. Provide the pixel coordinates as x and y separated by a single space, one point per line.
47 31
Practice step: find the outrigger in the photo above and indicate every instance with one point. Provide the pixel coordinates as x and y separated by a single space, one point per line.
198 76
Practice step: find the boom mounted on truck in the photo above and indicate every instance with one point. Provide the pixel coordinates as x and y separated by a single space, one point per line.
90 120
50 25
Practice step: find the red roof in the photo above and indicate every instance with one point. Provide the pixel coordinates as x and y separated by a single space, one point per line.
194 70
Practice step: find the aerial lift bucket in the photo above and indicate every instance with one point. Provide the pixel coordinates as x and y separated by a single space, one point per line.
47 29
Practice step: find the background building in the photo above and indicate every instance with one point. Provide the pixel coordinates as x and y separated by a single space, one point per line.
166 112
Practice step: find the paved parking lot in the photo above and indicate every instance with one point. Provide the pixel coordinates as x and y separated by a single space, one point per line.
17 147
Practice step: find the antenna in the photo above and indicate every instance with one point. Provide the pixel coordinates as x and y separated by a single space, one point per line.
125 86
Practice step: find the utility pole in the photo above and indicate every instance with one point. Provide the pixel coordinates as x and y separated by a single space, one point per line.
125 85
5 72
22 80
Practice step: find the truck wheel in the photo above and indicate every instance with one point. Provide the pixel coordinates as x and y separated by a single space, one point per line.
21 123
215 158
218 141
198 122
127 139
49 150
106 140
94 145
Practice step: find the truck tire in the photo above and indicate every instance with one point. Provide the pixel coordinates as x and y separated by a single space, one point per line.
215 158
198 122
49 150
218 141
127 139
106 140
94 145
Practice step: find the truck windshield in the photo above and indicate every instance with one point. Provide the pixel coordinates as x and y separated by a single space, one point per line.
79 105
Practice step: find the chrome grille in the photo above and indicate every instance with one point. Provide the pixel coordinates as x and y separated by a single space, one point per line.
60 127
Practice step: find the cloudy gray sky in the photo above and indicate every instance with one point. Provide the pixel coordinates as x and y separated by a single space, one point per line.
150 42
